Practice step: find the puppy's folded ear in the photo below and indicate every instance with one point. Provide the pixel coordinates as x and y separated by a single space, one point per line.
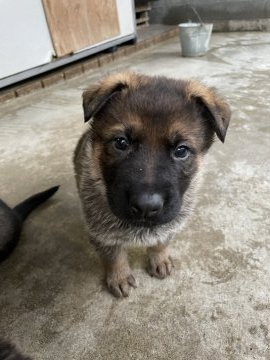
212 107
96 96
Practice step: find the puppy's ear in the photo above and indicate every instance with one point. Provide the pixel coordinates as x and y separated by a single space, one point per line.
212 107
96 96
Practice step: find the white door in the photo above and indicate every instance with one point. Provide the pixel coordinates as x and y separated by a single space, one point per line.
25 40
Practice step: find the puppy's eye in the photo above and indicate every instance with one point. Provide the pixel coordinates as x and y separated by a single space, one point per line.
121 143
181 152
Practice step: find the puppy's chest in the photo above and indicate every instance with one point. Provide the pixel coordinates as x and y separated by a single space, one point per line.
105 228
112 235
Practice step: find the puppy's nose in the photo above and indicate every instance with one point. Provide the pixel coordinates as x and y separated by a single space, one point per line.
146 205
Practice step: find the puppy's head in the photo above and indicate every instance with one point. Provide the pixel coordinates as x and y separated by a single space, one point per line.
149 135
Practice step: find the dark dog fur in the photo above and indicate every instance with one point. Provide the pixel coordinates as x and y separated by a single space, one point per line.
138 166
9 352
11 220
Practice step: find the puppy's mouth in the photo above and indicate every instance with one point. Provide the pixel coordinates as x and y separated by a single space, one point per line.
128 220
136 217
143 223
149 223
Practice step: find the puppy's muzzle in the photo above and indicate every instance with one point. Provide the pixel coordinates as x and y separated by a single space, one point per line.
146 205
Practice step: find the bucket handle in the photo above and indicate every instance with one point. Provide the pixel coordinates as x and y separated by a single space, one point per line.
196 13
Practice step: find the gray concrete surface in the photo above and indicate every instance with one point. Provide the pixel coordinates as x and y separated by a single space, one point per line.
216 305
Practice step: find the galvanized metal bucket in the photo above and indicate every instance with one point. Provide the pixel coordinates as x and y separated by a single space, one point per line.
195 38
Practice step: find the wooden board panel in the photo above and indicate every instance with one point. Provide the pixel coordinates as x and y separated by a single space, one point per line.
76 24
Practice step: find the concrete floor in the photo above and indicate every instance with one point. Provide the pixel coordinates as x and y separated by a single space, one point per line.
216 305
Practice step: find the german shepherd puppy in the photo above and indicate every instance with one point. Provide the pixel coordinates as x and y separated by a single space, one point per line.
138 165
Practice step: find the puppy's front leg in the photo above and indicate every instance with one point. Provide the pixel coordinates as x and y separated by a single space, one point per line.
119 278
160 263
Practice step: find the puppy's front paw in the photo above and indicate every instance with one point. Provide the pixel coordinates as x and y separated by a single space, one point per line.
160 263
120 284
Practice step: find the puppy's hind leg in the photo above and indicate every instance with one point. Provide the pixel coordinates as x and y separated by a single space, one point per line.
118 277
160 263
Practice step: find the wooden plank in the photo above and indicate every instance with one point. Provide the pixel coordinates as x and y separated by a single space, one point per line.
140 26
77 24
142 20
139 9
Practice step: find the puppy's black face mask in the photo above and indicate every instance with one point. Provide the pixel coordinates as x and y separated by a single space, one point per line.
146 188
149 142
